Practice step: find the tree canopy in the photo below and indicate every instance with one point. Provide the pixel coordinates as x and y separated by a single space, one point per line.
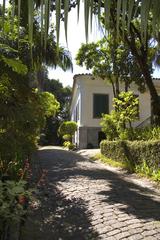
125 12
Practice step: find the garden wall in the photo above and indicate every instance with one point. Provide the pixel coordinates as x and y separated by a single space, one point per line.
133 152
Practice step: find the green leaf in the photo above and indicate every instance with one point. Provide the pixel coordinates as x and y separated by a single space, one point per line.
30 22
47 8
12 17
119 3
19 18
78 9
58 16
107 4
91 12
8 48
145 7
42 2
86 17
130 12
16 65
3 15
66 9
124 10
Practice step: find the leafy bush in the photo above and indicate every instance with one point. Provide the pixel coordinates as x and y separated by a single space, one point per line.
126 104
67 137
117 124
133 152
69 145
109 125
144 169
67 130
147 133
24 113
14 199
67 127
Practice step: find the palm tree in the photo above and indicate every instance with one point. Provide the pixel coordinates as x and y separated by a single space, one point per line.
126 9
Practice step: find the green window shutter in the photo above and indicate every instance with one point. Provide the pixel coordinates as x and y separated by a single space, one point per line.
100 105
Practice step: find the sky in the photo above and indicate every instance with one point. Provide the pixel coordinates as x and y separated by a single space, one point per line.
76 36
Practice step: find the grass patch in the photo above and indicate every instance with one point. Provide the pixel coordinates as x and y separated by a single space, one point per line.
149 172
110 161
142 170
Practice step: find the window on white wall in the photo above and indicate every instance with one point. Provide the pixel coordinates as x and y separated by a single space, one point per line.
100 105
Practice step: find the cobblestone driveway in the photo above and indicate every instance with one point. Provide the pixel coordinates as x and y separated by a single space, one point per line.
82 200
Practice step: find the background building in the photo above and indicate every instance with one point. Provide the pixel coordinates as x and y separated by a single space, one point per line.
93 96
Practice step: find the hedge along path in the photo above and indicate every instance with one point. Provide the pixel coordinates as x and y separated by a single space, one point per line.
83 199
133 152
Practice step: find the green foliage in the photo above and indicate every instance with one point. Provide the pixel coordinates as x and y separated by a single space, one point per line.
68 127
69 145
110 161
133 153
63 95
112 60
126 104
147 133
109 125
48 103
115 124
145 170
67 137
15 64
13 201
24 111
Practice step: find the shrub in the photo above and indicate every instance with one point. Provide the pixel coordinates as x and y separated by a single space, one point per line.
13 202
67 127
67 137
67 130
109 125
133 152
69 145
126 104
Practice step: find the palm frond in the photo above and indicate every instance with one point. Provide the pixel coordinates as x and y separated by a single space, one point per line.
3 15
86 16
19 18
58 16
66 10
145 8
47 12
107 8
42 13
119 4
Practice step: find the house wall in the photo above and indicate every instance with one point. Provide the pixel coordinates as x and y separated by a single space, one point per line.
85 86
90 87
75 111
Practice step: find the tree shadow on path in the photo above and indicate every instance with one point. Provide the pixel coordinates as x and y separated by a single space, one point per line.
133 199
53 216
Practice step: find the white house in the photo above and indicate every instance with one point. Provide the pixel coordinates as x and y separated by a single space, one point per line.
93 96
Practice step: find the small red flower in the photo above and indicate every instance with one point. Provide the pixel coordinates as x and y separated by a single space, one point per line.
22 199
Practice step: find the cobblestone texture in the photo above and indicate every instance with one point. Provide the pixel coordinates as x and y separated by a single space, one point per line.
98 202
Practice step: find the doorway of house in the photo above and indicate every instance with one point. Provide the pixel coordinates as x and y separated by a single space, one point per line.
101 136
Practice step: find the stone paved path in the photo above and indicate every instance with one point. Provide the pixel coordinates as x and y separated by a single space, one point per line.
82 200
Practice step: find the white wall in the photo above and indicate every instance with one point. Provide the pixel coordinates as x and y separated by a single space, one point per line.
88 87
84 89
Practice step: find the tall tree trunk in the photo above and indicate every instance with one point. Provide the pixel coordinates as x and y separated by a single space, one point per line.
141 55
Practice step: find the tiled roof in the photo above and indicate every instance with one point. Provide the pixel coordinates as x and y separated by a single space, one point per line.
82 74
